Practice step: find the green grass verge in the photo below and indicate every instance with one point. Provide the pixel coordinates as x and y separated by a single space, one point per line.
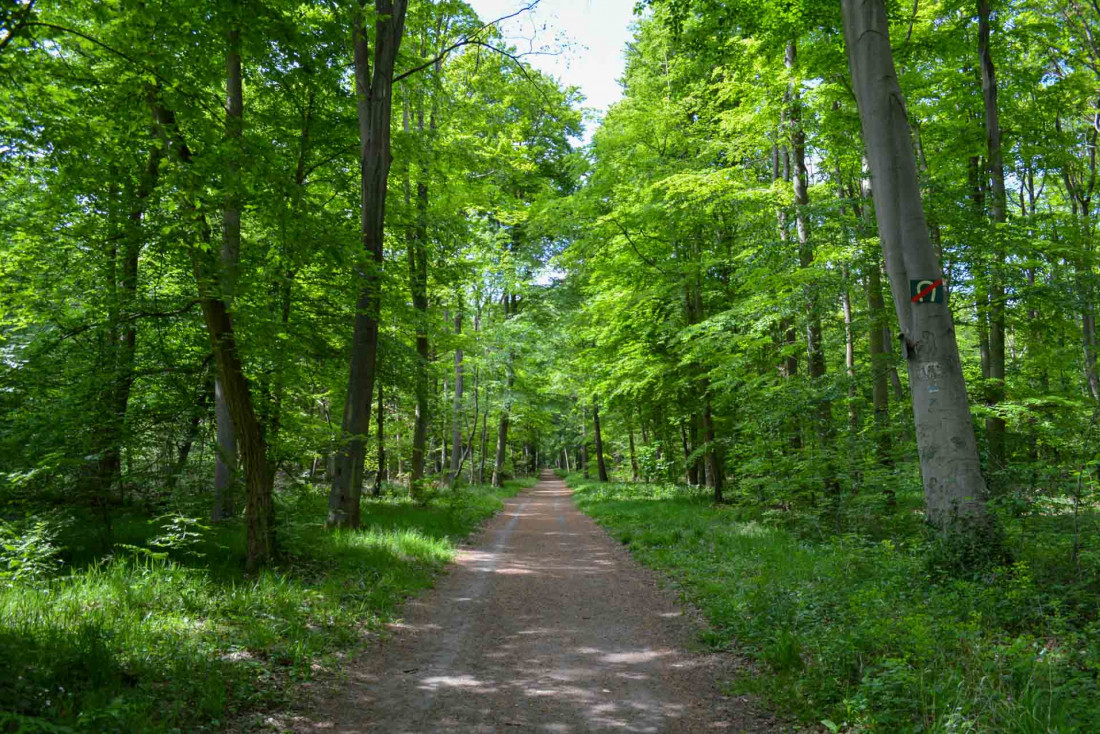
862 634
185 642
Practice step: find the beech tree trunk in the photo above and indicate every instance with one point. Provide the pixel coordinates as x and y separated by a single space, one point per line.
601 467
583 457
715 468
380 420
122 330
502 428
849 354
633 455
815 351
877 340
456 406
483 454
994 425
225 458
418 287
374 95
786 338
954 488
259 513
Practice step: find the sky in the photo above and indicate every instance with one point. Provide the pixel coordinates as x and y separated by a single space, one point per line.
585 40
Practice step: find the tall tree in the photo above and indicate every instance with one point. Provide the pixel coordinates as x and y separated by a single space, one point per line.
226 459
954 488
374 106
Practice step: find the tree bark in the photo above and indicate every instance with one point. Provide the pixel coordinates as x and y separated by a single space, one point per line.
880 365
994 425
633 455
380 419
122 331
225 457
374 96
788 366
259 512
502 428
849 354
456 406
715 469
484 441
583 458
954 488
877 339
418 287
815 352
601 466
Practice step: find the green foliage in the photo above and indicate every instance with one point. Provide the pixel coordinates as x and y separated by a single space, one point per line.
864 632
29 550
178 641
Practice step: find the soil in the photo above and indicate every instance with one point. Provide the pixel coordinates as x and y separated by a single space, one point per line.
544 623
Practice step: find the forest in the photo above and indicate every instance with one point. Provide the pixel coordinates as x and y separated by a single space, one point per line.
294 294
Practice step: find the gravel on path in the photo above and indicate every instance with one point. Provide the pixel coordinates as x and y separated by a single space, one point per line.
544 623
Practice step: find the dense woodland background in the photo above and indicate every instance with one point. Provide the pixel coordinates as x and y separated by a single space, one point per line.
260 258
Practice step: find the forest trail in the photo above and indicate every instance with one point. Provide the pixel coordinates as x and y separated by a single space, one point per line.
544 623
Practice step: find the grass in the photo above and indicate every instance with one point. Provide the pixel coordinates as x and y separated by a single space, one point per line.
862 634
155 640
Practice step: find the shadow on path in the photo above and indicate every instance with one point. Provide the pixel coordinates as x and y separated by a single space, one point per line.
543 624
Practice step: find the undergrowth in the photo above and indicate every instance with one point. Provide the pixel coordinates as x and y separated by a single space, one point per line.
863 633
165 634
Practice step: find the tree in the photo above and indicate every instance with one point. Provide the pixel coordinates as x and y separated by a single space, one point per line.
953 484
374 105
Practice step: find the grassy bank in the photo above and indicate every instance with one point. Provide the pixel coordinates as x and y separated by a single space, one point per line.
863 634
166 634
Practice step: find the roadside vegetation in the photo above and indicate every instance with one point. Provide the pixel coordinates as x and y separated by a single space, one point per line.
161 632
834 262
861 630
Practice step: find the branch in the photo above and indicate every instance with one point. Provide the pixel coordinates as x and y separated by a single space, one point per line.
645 259
136 316
465 40
19 25
519 65
912 20
91 39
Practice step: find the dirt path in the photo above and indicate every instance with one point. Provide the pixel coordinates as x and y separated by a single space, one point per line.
545 624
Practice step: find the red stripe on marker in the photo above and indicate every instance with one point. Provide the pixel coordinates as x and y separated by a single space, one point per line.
920 296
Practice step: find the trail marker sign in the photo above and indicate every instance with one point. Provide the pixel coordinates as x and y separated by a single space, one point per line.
926 290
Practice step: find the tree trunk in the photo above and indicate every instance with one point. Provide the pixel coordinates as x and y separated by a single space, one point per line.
715 468
633 456
815 352
600 465
877 339
225 457
891 368
484 442
880 366
380 419
994 425
374 108
502 429
953 484
583 458
788 366
259 513
690 440
849 355
122 332
418 286
456 406
502 449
